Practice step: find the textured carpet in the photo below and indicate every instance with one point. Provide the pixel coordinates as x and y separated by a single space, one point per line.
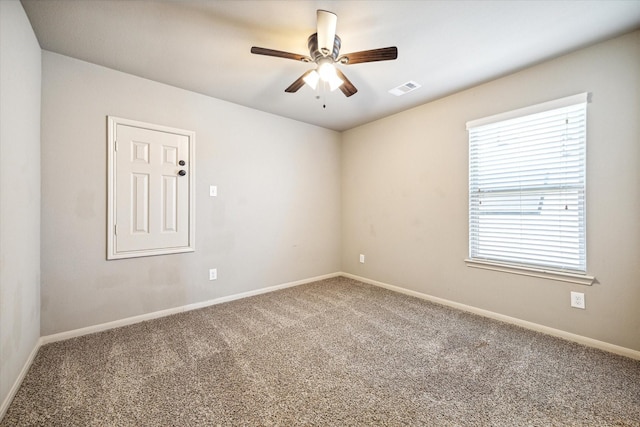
335 352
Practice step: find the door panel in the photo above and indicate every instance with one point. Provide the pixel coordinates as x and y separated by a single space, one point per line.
169 204
139 203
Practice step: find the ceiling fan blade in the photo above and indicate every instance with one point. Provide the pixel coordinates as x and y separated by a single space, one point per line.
347 87
327 22
280 54
382 54
295 86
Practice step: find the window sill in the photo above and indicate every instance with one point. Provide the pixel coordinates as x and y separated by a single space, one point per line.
580 279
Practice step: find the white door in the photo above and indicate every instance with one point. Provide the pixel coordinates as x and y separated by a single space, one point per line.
152 197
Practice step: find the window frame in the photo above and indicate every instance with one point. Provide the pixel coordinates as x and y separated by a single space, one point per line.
529 269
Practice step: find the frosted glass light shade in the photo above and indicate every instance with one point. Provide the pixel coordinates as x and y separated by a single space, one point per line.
312 79
335 82
326 71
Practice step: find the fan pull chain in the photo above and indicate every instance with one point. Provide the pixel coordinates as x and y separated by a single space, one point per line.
321 90
324 95
318 90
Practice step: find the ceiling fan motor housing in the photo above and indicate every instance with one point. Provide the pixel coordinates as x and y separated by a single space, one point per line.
315 52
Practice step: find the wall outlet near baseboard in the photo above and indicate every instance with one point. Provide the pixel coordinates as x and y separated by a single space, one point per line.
361 259
577 300
213 273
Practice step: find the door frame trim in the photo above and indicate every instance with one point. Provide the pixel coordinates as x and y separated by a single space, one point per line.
112 254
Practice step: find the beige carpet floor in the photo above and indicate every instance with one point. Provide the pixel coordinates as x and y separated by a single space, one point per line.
332 353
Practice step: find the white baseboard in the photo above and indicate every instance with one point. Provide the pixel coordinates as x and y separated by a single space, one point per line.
16 385
589 342
162 313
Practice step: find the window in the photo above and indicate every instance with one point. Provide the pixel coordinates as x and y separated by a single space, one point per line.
527 188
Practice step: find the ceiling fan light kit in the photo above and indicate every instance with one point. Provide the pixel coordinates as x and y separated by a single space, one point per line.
327 74
324 51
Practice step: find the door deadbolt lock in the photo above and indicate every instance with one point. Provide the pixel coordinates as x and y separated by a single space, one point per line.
182 163
182 172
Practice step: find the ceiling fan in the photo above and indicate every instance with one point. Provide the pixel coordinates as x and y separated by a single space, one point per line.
324 50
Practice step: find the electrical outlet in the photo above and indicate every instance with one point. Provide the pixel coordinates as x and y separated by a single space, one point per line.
213 273
361 259
213 191
577 300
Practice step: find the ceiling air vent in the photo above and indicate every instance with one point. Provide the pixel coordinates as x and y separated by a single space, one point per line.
405 88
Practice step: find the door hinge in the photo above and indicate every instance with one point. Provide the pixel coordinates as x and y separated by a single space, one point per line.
115 229
115 145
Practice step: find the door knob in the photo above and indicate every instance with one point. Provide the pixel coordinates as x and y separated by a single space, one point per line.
182 172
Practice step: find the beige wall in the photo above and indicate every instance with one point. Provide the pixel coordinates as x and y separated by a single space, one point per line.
276 218
405 196
19 193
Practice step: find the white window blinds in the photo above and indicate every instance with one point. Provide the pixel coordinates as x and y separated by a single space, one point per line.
527 186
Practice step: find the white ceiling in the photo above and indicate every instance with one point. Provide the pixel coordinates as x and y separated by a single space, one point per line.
203 46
